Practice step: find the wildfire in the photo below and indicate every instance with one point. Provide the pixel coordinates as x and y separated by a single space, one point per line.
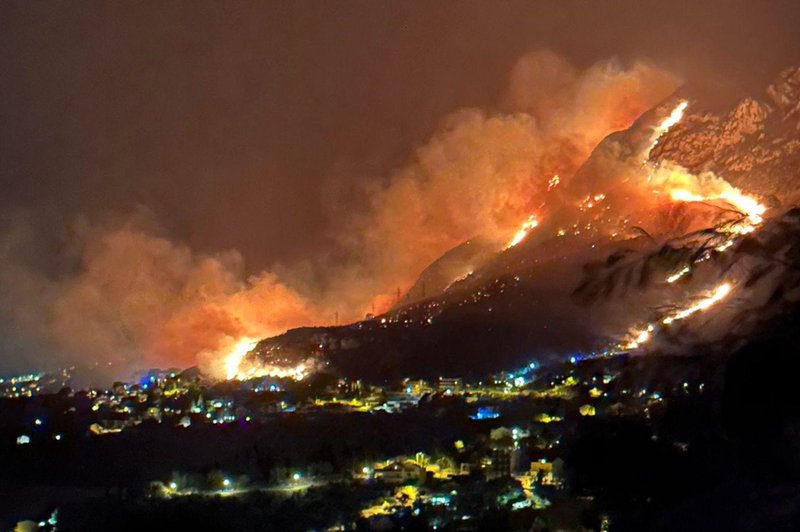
674 117
234 358
458 279
640 336
236 368
520 235
590 201
677 275
297 372
752 211
747 205
683 186
717 295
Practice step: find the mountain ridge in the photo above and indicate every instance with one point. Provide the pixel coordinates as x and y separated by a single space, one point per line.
577 287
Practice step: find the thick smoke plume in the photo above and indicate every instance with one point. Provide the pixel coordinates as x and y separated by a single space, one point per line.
138 298
483 173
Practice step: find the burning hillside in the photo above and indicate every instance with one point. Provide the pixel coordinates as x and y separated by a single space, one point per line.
488 246
650 246
125 292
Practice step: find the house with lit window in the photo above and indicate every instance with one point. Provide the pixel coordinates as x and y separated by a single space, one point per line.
397 472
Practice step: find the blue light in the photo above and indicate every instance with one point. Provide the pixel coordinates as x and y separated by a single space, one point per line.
485 412
440 500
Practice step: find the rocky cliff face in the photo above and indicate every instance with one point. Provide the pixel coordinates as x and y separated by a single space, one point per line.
755 146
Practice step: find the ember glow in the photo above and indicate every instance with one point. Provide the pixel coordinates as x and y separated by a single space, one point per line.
254 370
239 368
339 268
520 235
717 295
747 205
673 118
208 296
640 336
458 279
234 358
590 202
677 275
683 186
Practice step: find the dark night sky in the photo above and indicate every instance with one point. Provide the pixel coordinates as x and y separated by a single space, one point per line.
229 119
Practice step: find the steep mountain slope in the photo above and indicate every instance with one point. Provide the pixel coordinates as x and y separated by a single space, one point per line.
644 250
755 146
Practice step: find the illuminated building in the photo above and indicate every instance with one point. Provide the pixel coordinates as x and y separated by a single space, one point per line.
450 386
397 472
107 427
547 473
417 387
500 464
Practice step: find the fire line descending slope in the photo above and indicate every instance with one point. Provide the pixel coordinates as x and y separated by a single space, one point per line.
750 211
635 253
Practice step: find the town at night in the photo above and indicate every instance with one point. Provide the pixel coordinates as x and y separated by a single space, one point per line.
352 266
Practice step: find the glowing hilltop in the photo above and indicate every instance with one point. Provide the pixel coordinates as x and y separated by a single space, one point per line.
658 228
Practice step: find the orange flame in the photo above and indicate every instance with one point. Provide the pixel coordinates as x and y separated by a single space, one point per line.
640 336
673 118
717 295
236 367
684 186
235 356
520 235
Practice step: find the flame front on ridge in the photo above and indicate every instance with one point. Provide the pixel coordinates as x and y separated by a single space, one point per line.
520 235
237 368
